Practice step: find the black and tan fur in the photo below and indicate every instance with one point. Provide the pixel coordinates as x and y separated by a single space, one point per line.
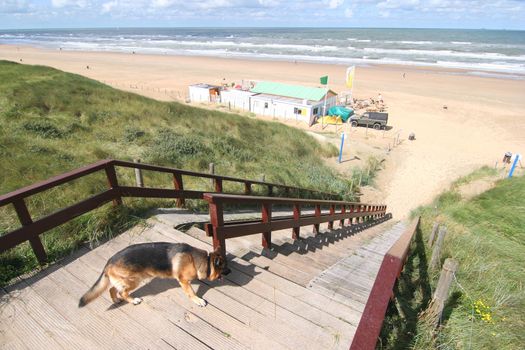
125 270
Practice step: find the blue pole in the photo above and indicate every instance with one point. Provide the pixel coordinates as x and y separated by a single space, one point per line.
341 148
511 168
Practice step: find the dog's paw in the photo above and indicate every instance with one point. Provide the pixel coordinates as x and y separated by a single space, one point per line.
199 301
137 301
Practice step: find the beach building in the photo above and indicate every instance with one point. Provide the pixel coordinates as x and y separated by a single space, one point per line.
236 98
204 93
291 101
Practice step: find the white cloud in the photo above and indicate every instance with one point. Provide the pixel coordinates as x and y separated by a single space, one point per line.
333 4
59 3
65 3
162 3
271 12
398 4
109 6
14 6
269 3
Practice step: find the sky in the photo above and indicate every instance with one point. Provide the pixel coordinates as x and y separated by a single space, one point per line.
471 14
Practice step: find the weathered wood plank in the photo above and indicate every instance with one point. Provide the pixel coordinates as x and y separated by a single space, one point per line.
292 274
343 298
220 331
331 323
320 302
133 329
20 324
8 338
273 310
200 330
57 289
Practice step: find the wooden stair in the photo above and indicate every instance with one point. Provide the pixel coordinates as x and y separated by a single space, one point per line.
308 294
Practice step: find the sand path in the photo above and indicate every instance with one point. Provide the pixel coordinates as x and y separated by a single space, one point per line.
484 117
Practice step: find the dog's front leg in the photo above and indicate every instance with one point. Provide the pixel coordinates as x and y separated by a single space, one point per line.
188 290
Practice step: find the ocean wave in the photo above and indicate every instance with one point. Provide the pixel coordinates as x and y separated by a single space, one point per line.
490 67
410 42
359 40
447 53
300 47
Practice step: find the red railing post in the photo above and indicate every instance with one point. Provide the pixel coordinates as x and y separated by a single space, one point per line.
218 185
25 220
247 188
111 174
217 221
177 183
343 211
266 218
332 212
296 216
317 214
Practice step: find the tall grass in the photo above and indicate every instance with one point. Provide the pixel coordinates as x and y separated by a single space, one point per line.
52 122
485 309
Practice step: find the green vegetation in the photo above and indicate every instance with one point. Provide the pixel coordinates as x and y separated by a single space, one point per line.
52 122
486 236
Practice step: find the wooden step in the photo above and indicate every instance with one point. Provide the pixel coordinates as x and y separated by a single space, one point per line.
287 287
278 314
353 277
156 304
241 250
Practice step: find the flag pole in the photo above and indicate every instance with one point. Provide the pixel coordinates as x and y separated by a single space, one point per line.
324 110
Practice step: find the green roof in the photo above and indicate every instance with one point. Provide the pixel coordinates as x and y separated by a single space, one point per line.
295 91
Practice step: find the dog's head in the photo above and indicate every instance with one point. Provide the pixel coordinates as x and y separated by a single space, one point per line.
218 266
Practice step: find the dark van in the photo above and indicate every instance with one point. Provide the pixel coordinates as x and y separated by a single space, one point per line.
377 120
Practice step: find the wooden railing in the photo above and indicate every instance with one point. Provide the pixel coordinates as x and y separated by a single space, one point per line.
337 210
30 230
369 327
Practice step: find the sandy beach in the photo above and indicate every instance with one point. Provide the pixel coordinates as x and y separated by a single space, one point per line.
484 117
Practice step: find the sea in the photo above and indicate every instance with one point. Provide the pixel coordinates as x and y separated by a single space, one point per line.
478 52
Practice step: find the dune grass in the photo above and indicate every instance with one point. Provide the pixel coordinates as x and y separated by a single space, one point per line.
52 122
485 309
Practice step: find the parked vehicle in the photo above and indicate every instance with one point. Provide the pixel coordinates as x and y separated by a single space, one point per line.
377 120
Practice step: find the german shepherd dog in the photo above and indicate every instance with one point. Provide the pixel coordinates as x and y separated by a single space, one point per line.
126 269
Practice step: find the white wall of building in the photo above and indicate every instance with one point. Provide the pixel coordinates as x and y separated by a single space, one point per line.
236 99
199 94
288 110
280 109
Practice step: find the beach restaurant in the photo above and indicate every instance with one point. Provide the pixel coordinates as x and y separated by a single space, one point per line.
287 101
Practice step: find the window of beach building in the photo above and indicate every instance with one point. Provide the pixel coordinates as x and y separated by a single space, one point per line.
265 104
316 110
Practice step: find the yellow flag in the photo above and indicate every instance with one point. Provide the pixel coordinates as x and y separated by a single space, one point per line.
350 72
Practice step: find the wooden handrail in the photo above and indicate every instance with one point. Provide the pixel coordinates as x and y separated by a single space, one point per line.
369 326
31 230
232 198
212 176
222 231
41 186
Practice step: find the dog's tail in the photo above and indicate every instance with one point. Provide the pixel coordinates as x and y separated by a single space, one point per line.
98 288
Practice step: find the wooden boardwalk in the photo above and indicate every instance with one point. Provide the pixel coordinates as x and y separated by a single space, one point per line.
307 294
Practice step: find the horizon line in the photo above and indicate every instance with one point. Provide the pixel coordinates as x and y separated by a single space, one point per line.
258 27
